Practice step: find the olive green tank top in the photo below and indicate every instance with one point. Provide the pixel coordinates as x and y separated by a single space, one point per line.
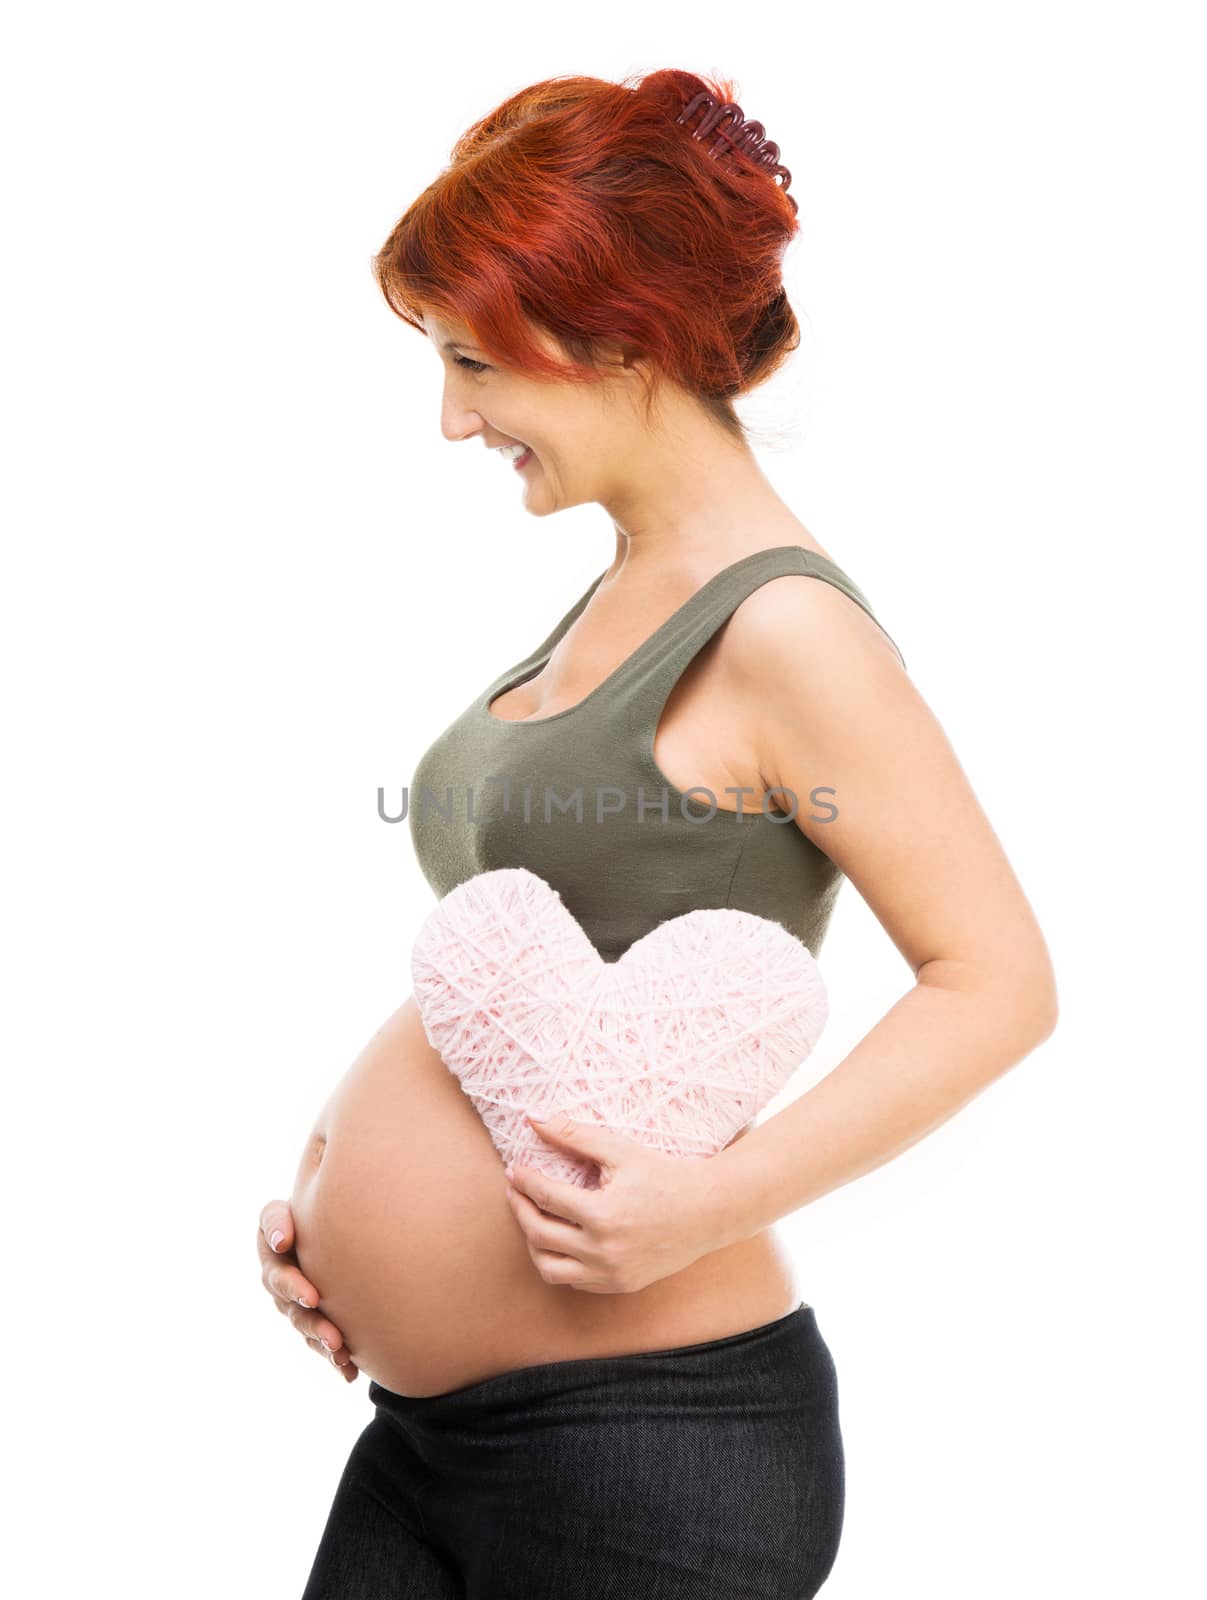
576 797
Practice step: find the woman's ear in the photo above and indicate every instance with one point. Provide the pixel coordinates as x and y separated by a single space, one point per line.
618 358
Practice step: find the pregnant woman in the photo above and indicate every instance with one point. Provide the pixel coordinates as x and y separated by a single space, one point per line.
620 1390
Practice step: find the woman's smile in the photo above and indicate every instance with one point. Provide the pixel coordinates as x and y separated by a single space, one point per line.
518 454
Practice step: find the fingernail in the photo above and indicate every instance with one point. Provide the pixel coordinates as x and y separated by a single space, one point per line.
276 1238
309 1304
325 1346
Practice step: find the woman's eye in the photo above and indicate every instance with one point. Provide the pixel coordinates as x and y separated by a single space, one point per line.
474 366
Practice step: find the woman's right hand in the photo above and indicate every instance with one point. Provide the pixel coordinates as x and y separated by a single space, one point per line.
292 1292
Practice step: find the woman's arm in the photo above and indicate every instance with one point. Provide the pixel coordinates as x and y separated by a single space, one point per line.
833 709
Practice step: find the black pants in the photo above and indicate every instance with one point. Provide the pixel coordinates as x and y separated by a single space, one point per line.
712 1470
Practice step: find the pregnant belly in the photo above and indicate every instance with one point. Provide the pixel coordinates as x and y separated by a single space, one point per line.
403 1225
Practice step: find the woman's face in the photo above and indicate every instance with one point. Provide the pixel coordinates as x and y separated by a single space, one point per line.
578 435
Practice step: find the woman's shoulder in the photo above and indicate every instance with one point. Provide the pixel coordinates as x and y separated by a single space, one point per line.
806 618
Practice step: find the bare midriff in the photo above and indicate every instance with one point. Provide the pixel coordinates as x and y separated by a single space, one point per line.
403 1224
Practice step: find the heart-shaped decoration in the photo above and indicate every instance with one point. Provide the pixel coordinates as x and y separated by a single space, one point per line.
677 1045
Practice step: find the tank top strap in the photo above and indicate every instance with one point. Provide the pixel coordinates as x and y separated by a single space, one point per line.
643 684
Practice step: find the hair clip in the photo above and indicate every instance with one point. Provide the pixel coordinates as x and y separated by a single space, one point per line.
734 133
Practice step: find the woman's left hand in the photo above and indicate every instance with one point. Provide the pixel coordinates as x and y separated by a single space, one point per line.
652 1215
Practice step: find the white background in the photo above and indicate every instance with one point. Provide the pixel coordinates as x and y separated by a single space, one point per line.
246 582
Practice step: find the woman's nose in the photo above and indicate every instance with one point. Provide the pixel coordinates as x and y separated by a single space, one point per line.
458 423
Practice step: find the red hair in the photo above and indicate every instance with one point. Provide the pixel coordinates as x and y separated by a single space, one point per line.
581 206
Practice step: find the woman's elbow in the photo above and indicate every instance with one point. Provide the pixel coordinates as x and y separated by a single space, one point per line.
1038 999
1017 988
1023 991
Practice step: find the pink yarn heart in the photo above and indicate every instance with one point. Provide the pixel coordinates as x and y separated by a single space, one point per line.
677 1045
